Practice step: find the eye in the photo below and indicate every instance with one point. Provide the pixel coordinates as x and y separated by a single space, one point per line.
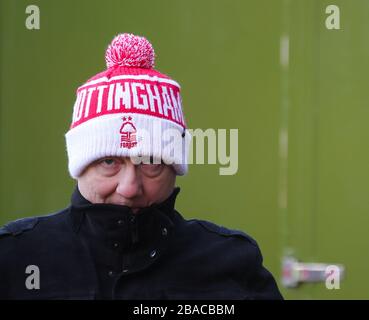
108 166
152 169
108 161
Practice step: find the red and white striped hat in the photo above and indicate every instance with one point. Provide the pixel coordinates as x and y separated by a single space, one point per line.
130 110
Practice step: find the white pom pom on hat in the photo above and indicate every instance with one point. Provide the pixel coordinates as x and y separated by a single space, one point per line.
131 51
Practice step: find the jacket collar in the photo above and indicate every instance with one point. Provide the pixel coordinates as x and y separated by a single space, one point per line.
109 231
105 213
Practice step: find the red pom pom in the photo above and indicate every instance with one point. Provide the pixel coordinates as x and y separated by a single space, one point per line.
130 51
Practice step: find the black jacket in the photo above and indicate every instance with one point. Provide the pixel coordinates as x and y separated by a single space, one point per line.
101 251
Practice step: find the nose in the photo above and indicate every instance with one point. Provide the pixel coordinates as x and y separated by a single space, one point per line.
129 184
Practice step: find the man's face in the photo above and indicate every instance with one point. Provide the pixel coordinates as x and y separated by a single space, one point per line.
116 180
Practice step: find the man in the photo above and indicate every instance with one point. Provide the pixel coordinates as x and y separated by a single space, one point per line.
121 237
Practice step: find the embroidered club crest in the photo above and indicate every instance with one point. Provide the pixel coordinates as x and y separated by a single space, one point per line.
128 133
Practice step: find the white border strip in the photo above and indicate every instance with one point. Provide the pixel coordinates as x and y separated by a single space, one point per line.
134 77
111 116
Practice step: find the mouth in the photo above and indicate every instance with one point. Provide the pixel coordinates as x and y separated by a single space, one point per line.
136 209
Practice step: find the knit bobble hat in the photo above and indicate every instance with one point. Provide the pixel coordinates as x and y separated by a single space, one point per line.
128 110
